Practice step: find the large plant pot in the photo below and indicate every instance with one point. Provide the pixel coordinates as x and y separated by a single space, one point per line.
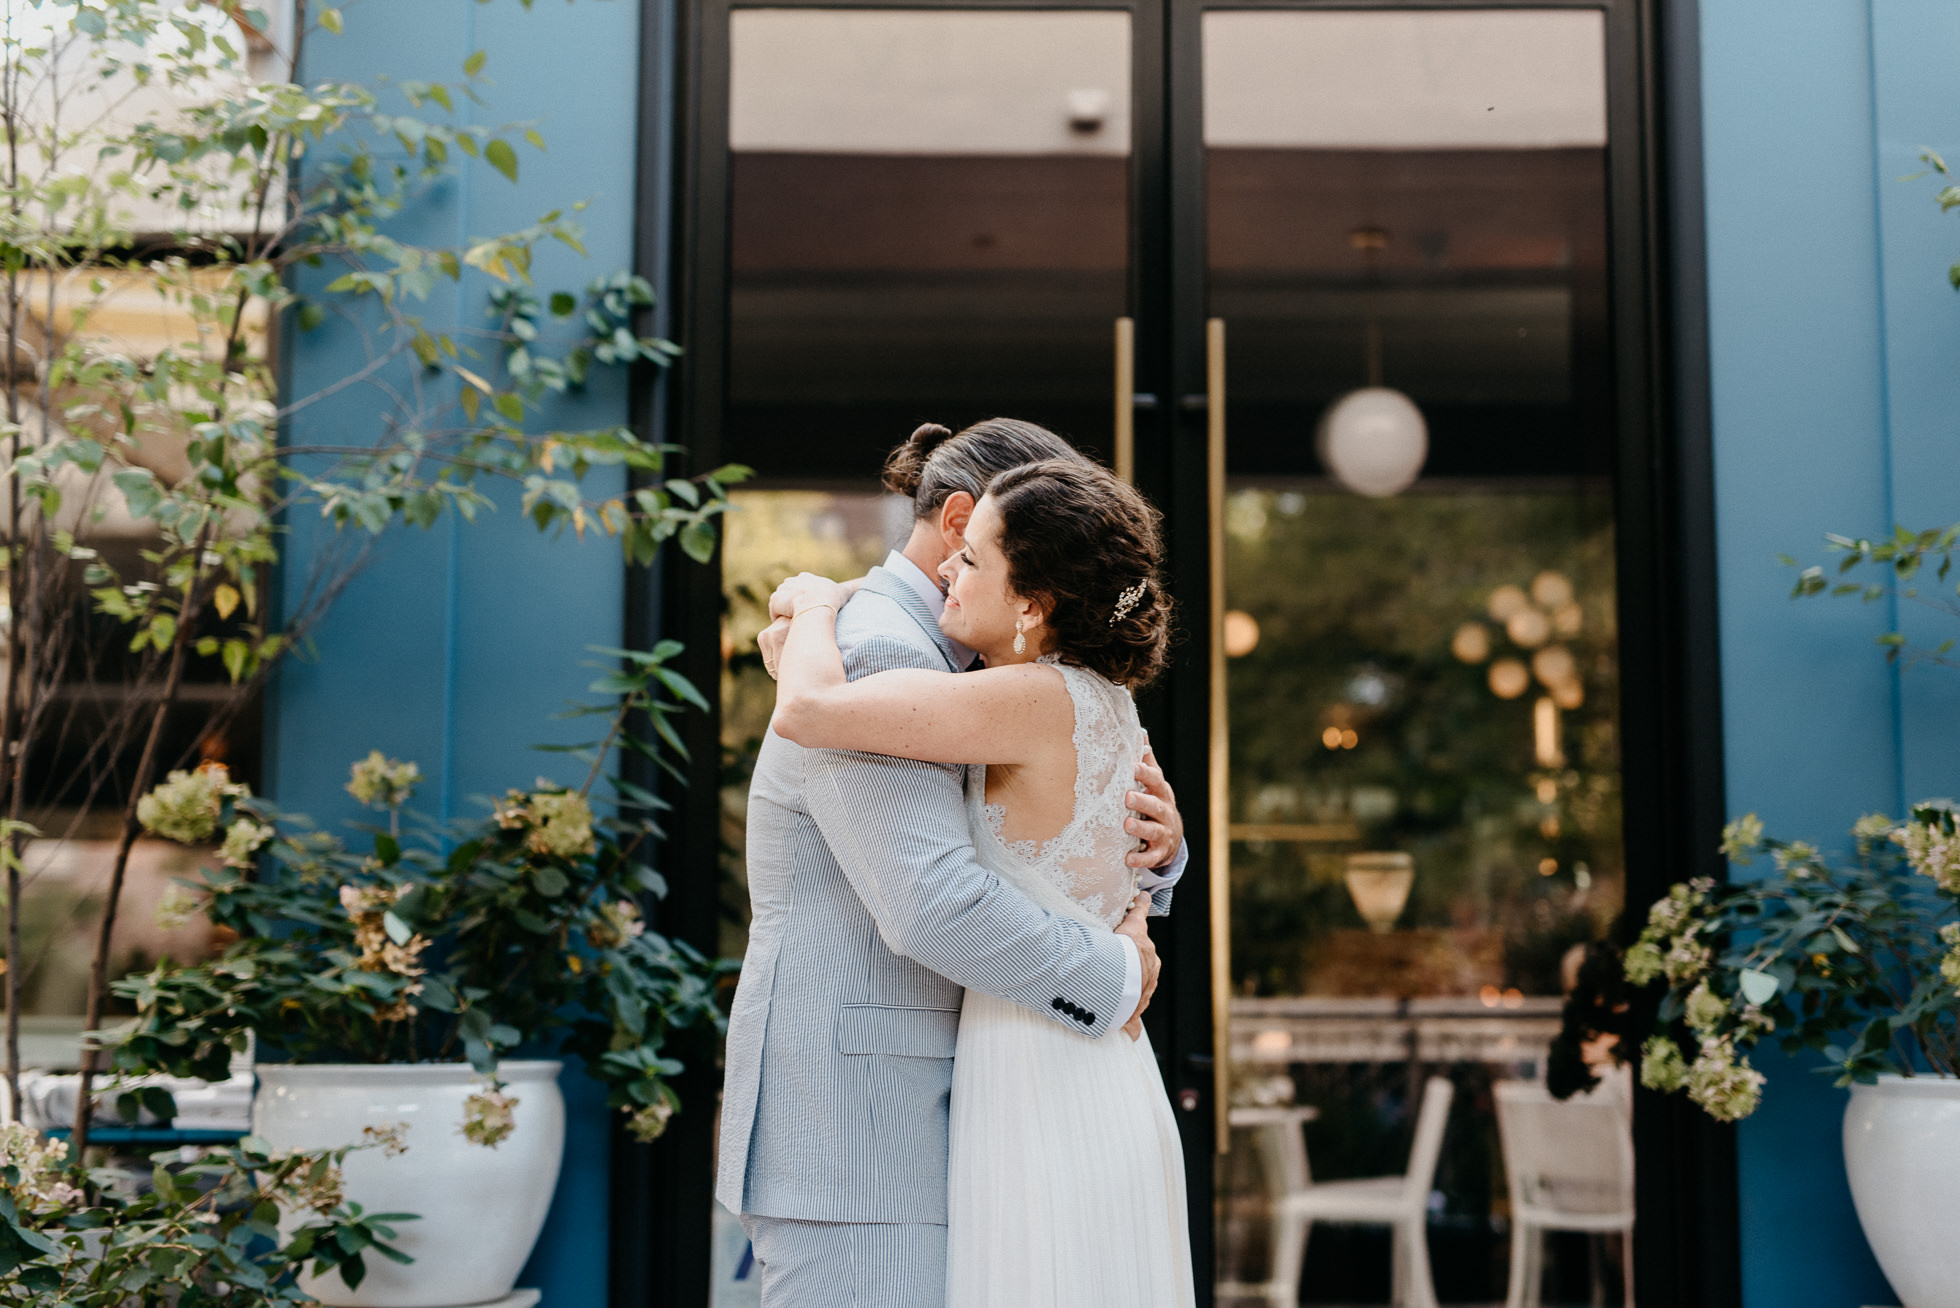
1902 1152
480 1208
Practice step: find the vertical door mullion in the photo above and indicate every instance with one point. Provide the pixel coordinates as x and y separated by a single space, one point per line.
1182 424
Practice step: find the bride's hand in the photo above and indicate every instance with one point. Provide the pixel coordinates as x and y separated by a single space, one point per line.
807 590
1134 1029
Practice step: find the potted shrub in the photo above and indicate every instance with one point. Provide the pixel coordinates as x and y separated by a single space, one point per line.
389 980
1855 957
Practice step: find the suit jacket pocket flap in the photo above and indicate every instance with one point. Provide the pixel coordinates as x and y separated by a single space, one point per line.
908 1032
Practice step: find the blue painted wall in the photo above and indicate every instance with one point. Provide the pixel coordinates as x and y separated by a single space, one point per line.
1835 355
454 647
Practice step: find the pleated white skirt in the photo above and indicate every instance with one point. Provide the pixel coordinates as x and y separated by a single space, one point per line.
1067 1177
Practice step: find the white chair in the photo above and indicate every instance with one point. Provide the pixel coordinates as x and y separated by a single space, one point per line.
1570 1168
1401 1202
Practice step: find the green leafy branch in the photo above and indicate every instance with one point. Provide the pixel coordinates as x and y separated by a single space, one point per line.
207 1232
1908 557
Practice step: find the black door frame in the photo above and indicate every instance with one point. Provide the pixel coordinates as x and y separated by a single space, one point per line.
1688 1251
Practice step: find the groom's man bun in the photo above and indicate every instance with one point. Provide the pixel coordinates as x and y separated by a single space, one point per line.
934 462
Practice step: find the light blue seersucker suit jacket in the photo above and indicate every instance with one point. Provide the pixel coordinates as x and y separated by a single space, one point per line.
870 913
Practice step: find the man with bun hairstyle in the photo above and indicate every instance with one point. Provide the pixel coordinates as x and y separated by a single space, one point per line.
871 916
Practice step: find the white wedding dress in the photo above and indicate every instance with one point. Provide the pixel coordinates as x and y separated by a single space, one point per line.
1067 1177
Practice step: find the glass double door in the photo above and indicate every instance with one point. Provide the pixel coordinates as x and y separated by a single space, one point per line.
1336 287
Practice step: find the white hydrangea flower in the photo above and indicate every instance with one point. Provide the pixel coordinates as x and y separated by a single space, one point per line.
1661 1065
617 924
1742 837
647 1124
1705 1010
1950 961
1725 1086
187 805
1670 913
1932 853
40 1165
1870 829
392 1139
368 907
1643 962
489 1116
177 907
381 782
243 839
1668 944
561 824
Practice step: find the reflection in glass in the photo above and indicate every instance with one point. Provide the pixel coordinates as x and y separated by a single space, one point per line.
930 223
1406 233
1388 707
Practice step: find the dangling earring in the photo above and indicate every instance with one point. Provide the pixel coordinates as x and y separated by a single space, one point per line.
1020 641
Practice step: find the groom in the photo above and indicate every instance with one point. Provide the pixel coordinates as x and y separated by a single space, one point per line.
870 914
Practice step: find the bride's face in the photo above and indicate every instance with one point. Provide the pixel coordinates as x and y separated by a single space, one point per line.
981 608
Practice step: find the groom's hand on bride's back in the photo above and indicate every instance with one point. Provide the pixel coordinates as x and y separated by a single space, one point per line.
1137 927
1154 818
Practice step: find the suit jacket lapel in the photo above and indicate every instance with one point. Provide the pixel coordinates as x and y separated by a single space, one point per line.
882 582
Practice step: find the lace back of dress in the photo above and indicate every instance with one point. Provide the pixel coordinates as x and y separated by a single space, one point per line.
1082 869
1087 860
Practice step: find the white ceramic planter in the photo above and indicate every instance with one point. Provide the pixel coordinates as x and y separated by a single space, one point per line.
481 1209
1902 1153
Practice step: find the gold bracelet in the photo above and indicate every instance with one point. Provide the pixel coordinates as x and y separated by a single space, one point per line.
811 609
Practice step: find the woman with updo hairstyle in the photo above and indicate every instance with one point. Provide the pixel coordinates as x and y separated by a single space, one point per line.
1080 540
1057 587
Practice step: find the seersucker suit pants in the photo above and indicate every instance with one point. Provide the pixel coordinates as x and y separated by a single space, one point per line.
848 1264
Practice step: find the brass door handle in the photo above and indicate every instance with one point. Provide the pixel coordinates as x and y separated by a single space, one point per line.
1218 787
1124 448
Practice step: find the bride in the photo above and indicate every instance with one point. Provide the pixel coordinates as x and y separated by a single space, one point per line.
1067 1177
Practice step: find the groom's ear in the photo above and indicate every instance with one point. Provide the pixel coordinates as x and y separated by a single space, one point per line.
954 514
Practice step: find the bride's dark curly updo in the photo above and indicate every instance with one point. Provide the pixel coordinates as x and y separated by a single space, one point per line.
1082 542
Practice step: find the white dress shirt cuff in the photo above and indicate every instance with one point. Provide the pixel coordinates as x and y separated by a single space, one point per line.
1150 880
1132 981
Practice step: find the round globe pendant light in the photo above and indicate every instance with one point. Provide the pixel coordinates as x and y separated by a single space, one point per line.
1373 441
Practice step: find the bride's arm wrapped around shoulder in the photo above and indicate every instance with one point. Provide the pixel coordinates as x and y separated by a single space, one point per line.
988 716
